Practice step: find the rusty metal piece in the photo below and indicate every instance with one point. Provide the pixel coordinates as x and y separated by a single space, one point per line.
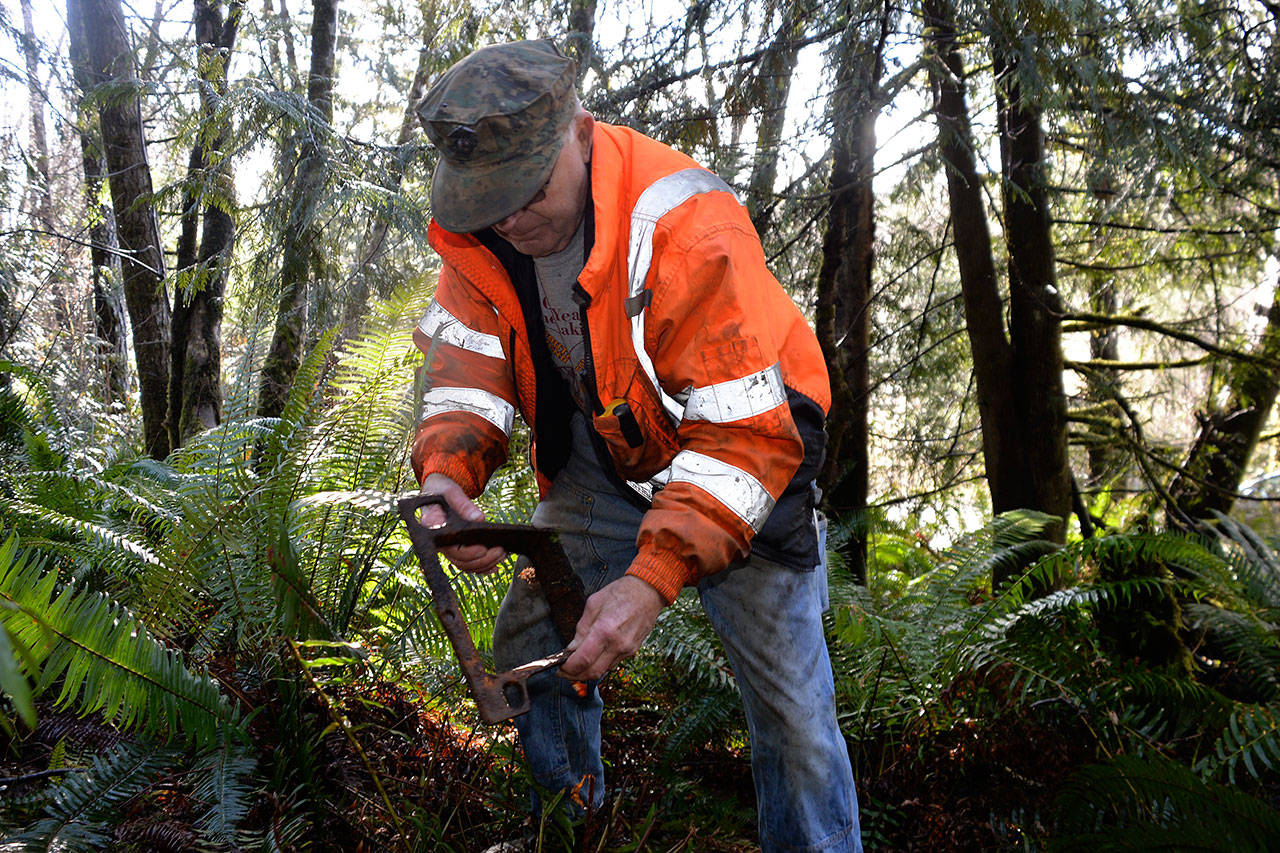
499 696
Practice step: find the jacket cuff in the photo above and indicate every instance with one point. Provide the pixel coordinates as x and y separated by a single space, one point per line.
664 571
454 469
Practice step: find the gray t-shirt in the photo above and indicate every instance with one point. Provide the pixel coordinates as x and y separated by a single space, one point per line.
561 314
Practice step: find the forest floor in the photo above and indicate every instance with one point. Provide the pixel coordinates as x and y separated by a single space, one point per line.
449 788
977 786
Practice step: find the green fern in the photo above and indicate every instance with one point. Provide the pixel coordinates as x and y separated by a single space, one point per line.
29 516
683 659
704 717
1250 738
104 659
14 656
1150 803
1235 607
82 807
222 774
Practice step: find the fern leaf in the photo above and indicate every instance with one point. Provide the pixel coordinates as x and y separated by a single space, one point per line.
105 659
47 519
1149 803
1251 738
699 720
13 682
222 773
117 495
82 806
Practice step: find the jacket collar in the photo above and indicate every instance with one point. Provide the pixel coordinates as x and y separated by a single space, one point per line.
609 178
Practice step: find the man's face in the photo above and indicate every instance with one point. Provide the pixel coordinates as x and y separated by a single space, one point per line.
548 222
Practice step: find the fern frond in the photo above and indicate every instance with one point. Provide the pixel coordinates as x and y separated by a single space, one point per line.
222 774
702 718
16 512
1150 803
1259 566
82 806
105 659
689 648
102 493
13 681
683 658
1155 706
1245 638
282 463
1251 738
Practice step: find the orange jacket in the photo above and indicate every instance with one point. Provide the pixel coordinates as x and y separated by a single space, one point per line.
684 324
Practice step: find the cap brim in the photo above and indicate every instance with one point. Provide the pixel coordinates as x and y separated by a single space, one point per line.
467 199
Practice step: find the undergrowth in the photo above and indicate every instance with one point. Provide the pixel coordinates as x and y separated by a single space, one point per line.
234 649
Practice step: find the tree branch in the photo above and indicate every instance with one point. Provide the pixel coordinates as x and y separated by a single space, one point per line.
1089 321
1105 364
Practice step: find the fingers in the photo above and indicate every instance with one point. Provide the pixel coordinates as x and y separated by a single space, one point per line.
596 648
478 559
614 624
439 484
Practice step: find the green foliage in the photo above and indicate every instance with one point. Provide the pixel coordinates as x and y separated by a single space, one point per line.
104 658
1236 604
1252 738
683 660
82 809
13 680
1150 803
894 656
924 657
224 776
129 579
1160 126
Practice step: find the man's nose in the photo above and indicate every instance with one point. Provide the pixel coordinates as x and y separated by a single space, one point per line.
509 222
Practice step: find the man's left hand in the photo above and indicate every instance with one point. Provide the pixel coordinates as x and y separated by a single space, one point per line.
616 620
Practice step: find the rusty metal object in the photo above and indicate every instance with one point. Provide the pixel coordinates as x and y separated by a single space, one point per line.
499 696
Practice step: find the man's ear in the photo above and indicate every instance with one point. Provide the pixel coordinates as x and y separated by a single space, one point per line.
584 124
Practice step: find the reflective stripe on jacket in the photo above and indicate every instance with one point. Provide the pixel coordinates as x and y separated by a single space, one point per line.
685 326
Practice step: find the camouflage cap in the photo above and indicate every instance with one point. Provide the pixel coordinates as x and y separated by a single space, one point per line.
498 118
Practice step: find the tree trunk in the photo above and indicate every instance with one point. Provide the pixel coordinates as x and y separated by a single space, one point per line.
1210 478
195 393
979 284
286 26
104 250
38 172
844 281
142 262
184 266
147 64
301 236
1018 372
1035 310
6 323
42 203
1103 383
775 81
581 37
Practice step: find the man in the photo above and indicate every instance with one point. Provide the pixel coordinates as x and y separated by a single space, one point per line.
616 294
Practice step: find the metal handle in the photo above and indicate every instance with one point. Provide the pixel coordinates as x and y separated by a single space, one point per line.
499 696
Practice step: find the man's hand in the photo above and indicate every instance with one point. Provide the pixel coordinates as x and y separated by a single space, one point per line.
616 620
478 559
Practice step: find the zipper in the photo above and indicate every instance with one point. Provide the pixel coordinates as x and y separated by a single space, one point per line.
588 374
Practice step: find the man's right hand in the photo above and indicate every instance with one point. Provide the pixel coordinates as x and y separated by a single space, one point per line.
478 559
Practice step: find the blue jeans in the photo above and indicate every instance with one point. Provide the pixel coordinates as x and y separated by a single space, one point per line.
769 618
